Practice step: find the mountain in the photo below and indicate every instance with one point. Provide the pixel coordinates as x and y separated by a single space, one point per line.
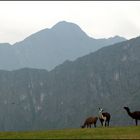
51 47
35 99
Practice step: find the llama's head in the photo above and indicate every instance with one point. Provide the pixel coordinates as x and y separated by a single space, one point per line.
126 108
100 110
82 126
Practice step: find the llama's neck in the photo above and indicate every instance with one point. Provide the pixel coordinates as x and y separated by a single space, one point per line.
100 115
129 113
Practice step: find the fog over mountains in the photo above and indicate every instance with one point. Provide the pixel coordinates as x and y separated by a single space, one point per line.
34 99
51 47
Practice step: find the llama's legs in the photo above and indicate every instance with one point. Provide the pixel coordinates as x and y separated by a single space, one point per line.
101 122
95 125
104 123
108 123
136 122
105 119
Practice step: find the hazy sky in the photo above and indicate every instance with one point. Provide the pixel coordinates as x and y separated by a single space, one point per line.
99 19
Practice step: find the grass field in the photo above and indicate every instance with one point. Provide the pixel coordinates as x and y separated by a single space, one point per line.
132 132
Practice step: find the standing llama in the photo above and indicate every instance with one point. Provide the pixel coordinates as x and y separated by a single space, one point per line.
104 117
89 121
134 115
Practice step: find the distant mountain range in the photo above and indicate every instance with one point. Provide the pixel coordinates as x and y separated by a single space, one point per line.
34 99
51 47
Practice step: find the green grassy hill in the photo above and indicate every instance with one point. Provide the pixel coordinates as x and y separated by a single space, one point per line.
131 132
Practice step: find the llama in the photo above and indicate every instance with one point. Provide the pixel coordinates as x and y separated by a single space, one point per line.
104 117
134 115
89 121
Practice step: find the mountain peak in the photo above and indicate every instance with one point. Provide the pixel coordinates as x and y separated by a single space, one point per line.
65 27
64 24
117 37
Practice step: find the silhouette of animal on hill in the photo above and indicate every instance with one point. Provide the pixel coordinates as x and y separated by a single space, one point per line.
89 121
104 117
134 115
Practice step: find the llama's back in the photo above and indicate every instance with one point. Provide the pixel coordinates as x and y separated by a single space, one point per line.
136 115
92 120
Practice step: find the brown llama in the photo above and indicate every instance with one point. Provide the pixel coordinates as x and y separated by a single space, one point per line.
134 115
89 121
104 117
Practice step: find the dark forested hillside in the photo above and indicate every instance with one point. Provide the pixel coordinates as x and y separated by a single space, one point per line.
64 97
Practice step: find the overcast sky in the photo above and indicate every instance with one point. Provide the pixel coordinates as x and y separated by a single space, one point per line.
99 19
